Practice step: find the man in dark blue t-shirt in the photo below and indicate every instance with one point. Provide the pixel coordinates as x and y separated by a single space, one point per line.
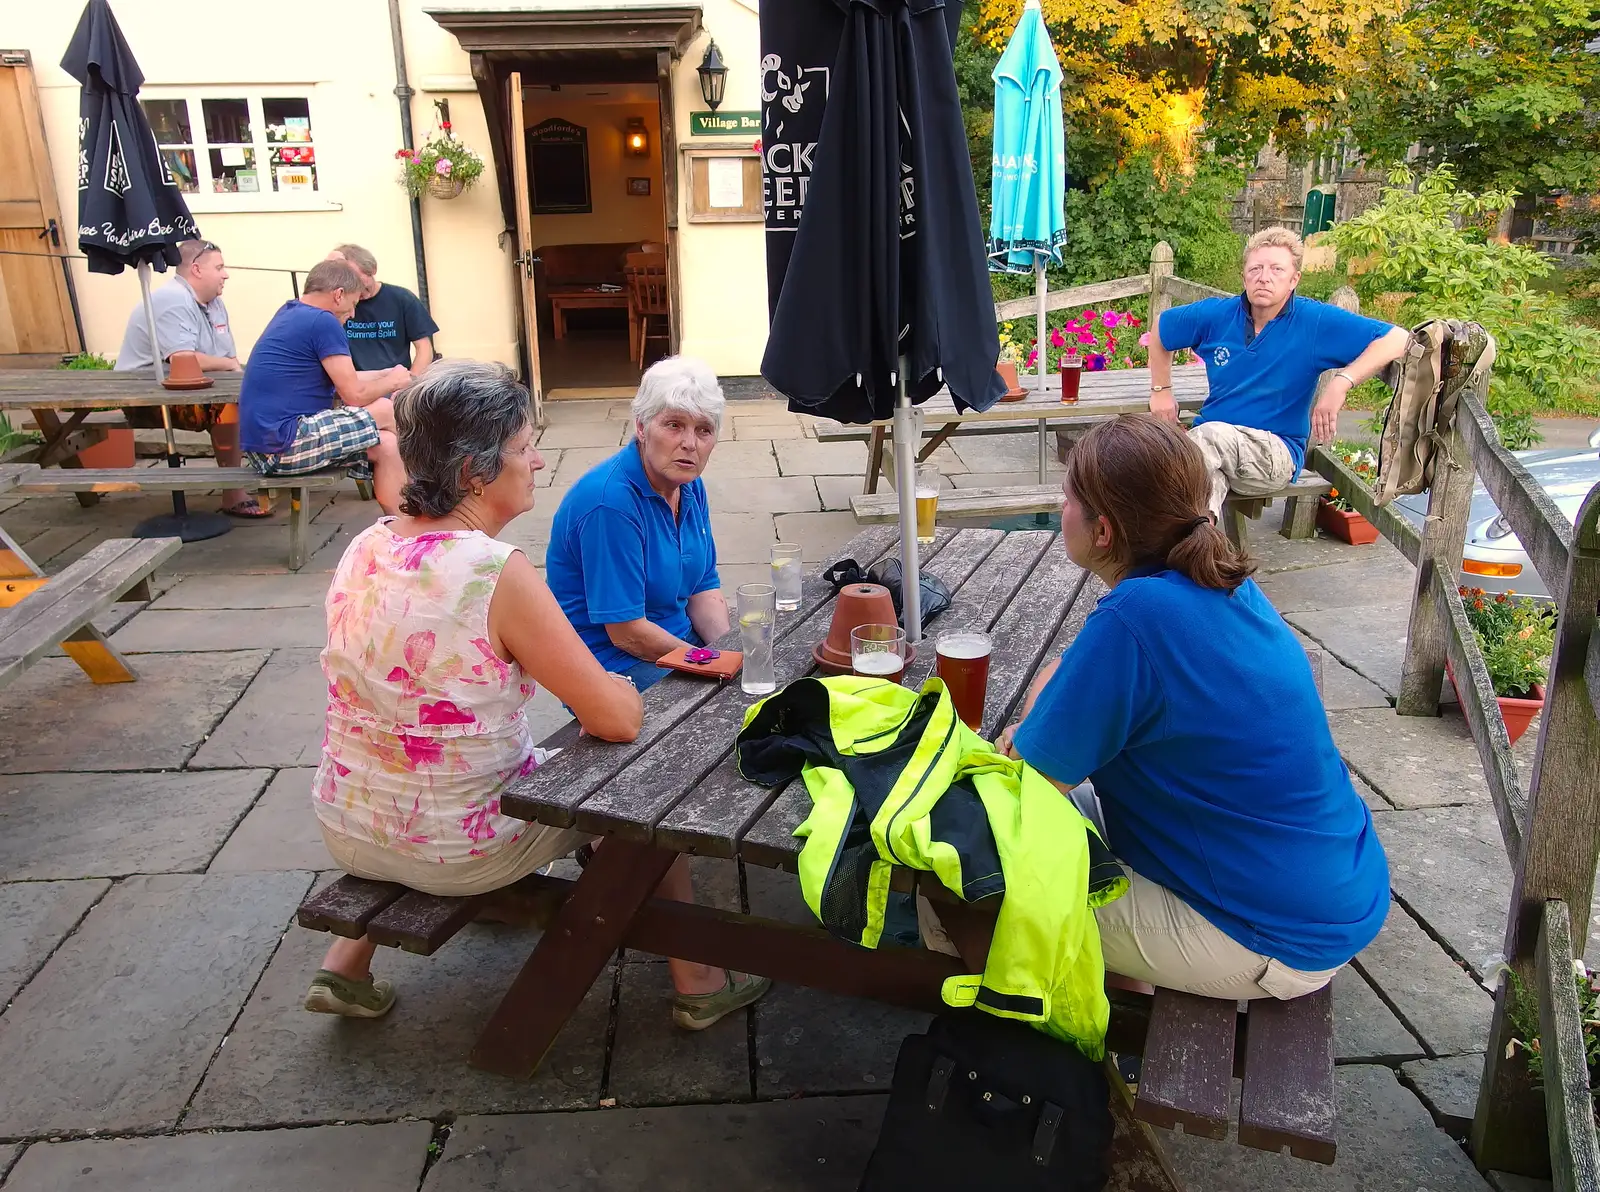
290 422
1263 353
391 325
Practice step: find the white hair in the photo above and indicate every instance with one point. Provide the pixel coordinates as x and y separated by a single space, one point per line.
681 383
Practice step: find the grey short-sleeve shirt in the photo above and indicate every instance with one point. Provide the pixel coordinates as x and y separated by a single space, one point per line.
182 325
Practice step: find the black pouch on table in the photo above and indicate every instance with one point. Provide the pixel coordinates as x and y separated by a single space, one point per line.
981 1102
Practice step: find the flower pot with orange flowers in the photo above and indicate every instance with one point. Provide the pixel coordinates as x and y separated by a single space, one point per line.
1516 637
1336 517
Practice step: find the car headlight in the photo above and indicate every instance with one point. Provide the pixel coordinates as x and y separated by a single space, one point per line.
1498 528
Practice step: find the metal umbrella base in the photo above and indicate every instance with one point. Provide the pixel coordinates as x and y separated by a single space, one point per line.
180 523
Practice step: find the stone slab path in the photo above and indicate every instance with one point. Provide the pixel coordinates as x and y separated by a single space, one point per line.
155 840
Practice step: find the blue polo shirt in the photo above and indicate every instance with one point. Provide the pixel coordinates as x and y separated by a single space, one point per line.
617 553
1196 715
1267 381
284 378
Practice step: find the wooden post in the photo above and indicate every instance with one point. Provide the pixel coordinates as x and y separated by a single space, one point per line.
1444 535
1160 270
1562 846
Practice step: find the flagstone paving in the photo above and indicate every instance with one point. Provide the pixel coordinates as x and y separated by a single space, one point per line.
155 840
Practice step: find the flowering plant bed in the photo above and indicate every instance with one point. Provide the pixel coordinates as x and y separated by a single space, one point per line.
1338 518
443 167
1516 636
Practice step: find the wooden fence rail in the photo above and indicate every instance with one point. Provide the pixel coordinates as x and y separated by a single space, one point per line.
1166 289
1569 1106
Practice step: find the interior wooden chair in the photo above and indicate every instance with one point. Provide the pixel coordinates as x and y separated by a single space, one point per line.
646 275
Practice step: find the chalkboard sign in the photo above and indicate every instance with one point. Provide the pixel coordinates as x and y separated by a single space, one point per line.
558 168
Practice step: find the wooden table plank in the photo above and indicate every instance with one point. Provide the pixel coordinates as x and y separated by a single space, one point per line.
80 389
12 475
553 792
1049 598
699 758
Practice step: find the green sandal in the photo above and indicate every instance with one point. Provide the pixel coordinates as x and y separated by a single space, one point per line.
697 1011
332 994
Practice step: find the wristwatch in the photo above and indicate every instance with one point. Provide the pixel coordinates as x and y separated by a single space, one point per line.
1159 388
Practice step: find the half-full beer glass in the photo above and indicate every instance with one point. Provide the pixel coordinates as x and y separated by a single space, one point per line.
927 503
878 652
963 664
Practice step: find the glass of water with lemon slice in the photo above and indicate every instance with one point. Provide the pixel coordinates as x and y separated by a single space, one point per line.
757 606
786 568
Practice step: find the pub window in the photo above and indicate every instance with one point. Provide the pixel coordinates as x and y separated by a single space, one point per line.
558 168
242 144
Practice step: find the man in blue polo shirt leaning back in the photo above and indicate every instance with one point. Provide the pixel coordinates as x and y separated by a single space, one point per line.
631 558
1263 352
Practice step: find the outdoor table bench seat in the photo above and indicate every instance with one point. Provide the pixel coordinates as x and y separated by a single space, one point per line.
1299 505
162 479
37 613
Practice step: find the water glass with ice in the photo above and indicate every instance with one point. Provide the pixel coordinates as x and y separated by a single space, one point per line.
757 607
786 569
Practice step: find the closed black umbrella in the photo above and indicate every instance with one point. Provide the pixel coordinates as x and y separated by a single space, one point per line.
130 210
877 281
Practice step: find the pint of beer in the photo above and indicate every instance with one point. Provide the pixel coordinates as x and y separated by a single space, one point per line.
927 503
963 664
878 652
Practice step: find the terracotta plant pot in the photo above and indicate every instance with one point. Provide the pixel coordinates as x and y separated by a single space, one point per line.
1008 373
116 451
1347 526
183 372
1517 713
857 604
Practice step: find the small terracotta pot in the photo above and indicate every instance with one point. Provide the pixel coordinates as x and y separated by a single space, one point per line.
183 372
1008 373
857 604
1345 524
1517 713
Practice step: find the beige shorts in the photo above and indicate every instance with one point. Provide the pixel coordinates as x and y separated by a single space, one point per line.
531 851
1242 459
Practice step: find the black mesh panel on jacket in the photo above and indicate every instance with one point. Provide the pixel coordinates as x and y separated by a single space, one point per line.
844 896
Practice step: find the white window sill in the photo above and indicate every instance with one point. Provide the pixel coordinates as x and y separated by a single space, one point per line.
201 203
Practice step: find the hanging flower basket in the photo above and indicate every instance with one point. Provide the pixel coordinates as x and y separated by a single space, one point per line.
443 168
446 188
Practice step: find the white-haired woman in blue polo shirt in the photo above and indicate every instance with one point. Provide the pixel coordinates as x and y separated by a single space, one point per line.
631 558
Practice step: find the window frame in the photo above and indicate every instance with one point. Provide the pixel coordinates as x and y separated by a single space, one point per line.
208 200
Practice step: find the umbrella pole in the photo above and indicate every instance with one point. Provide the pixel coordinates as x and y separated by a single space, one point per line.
1040 285
179 503
905 470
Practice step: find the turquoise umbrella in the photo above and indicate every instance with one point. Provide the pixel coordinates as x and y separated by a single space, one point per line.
1028 224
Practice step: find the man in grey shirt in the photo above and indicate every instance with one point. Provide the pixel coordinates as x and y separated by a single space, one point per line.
190 317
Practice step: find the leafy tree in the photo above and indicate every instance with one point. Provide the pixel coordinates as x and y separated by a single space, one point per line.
1156 76
1503 90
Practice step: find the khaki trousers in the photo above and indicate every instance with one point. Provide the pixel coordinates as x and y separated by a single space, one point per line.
1242 459
531 851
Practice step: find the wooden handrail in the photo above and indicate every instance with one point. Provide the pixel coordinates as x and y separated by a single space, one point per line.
1182 290
1569 1107
1073 296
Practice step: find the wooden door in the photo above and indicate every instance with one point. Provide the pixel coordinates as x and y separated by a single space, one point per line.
37 325
516 127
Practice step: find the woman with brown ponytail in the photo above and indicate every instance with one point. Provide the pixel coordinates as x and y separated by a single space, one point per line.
1255 867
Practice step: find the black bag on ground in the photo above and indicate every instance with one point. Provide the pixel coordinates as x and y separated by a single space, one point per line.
984 1102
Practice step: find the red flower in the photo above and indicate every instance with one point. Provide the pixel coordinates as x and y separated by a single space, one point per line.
756 146
405 154
445 124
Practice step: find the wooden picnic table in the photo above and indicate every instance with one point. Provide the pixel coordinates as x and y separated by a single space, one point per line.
1101 395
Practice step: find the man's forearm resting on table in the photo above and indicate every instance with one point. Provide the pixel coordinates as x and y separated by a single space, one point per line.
708 613
215 363
642 638
361 388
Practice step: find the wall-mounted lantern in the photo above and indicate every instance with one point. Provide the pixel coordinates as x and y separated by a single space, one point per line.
713 77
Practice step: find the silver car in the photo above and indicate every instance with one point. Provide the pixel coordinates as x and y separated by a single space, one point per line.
1494 560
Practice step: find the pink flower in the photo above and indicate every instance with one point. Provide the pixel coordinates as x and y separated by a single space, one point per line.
1033 359
443 167
422 751
444 712
1144 340
1055 339
1095 363
1110 319
1086 337
1127 362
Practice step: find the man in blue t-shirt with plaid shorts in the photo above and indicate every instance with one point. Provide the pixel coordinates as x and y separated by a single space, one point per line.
1263 352
289 420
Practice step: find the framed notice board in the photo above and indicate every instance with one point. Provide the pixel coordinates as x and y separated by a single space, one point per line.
558 168
724 186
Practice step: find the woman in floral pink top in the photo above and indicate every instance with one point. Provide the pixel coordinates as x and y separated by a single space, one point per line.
437 635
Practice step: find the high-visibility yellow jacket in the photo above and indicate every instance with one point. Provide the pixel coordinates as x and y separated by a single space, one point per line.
896 778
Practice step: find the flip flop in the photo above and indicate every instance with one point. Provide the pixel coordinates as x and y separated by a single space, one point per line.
247 509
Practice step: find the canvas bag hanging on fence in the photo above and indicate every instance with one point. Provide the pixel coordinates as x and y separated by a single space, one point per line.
1444 356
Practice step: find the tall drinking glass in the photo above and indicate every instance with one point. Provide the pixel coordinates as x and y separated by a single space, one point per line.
878 652
927 503
962 661
757 605
786 568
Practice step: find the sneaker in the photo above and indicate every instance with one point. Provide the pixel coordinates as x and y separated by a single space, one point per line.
697 1011
332 994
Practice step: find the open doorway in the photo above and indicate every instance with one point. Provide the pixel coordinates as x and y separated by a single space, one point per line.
598 226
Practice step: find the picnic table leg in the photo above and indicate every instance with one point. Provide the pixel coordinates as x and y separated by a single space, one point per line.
299 526
55 435
1138 1163
874 460
1044 450
569 956
1299 517
936 441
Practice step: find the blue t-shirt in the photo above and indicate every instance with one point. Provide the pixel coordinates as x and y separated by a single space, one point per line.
617 553
284 379
1196 715
1267 381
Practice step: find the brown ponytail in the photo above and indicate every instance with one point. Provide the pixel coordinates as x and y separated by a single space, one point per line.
1150 483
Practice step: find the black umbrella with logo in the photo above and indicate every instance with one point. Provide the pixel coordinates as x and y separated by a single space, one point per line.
130 210
877 282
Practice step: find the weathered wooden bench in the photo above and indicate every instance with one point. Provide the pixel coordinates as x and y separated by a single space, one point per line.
1299 505
162 479
39 612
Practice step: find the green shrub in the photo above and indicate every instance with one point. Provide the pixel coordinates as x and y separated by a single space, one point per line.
88 360
11 438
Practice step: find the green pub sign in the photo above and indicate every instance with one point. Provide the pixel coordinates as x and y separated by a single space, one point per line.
724 124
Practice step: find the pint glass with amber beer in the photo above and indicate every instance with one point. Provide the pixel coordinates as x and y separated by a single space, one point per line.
963 664
927 503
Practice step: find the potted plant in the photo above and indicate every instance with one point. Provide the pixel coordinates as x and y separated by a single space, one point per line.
1516 636
1338 518
444 167
1007 366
